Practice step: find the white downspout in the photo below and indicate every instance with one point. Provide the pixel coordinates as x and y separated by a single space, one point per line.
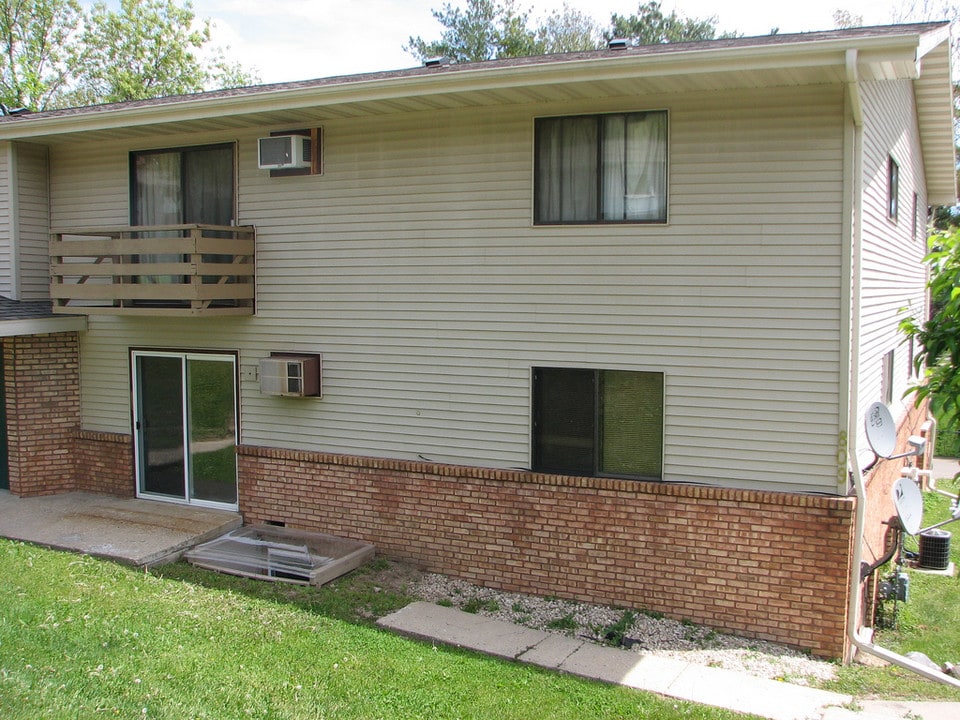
851 338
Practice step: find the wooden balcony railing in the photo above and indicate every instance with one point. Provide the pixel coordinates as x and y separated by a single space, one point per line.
177 270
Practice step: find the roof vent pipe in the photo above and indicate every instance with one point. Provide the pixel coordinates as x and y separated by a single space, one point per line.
432 62
618 44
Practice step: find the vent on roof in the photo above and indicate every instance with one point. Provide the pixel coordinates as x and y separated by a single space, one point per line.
436 62
618 44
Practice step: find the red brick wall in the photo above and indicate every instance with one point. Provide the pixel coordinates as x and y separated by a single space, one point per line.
881 515
43 411
105 463
762 564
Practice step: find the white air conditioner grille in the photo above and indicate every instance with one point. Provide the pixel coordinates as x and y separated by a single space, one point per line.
291 376
282 152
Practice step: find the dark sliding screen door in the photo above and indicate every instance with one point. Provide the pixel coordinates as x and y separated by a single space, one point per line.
185 427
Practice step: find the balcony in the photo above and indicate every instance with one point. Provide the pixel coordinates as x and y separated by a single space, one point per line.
164 270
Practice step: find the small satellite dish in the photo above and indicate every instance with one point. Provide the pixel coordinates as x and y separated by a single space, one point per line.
881 430
909 503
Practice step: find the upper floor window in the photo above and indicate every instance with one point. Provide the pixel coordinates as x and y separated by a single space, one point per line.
183 185
893 188
601 169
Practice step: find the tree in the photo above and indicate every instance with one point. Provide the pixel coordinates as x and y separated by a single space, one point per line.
55 55
569 30
36 35
485 30
650 26
938 358
491 29
844 20
159 45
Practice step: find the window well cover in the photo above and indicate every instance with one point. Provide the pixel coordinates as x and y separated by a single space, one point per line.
266 552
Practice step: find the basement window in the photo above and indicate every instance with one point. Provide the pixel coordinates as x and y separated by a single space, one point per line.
602 423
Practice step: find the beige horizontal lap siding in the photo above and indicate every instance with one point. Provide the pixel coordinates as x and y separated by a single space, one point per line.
6 222
893 276
33 216
412 264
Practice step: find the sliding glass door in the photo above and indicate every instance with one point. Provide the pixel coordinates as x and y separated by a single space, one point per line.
185 426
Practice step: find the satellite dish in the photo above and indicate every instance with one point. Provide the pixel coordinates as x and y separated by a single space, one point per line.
881 430
909 503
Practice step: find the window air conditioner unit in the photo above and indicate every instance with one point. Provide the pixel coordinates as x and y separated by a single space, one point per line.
283 152
291 376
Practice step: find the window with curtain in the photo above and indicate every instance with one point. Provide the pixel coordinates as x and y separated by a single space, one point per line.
601 169
606 423
183 185
176 186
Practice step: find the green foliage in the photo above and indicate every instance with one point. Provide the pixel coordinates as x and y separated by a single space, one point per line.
616 632
492 29
650 26
938 358
55 55
36 40
484 30
567 622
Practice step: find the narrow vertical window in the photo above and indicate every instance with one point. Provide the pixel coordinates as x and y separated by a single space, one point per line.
886 379
916 216
893 188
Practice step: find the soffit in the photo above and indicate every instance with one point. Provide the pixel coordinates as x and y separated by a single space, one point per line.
919 53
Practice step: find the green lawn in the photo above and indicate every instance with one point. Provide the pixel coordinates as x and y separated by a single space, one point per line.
84 638
929 623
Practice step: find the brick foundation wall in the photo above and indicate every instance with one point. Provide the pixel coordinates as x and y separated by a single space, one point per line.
42 383
767 565
105 463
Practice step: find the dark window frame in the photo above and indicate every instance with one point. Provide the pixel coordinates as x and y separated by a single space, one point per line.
591 418
181 149
893 189
538 171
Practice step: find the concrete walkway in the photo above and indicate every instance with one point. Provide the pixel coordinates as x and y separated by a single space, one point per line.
705 685
134 532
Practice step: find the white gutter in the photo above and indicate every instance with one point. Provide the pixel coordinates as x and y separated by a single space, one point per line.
853 255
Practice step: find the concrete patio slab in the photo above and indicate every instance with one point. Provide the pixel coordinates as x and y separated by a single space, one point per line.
135 532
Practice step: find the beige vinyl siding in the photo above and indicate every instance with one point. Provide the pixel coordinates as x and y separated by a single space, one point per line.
412 264
33 218
893 275
6 222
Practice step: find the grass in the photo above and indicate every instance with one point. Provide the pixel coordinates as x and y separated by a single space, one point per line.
84 638
929 623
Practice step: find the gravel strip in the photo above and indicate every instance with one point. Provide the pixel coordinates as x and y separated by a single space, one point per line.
649 634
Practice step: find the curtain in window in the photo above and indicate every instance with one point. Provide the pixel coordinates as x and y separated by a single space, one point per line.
158 200
208 186
635 167
567 169
157 188
602 168
192 185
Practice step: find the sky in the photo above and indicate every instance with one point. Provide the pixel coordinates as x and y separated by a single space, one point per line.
285 40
